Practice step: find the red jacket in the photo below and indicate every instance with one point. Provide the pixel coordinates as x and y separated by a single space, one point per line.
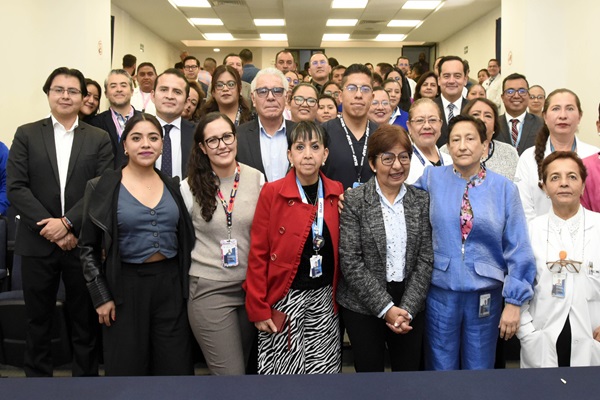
281 226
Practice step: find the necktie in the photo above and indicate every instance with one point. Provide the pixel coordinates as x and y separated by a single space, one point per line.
514 132
166 165
450 112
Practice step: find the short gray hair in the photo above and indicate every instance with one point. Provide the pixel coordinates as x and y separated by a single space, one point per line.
118 72
270 71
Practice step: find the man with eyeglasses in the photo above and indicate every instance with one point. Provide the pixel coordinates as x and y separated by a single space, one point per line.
403 64
170 93
141 99
48 167
493 86
452 76
349 134
319 70
518 127
262 143
118 87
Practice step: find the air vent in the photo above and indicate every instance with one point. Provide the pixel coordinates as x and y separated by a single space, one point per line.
371 22
235 3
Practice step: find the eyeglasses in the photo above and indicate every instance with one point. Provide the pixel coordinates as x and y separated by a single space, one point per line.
264 92
539 97
60 90
335 94
364 89
318 62
521 92
190 67
396 78
570 265
230 84
389 158
213 142
294 81
421 121
376 103
310 101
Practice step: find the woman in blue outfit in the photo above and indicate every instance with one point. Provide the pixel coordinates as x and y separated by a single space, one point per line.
482 253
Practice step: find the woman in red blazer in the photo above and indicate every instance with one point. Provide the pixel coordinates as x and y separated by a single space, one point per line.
293 263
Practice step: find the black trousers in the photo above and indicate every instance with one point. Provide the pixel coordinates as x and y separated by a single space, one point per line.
151 334
41 278
370 335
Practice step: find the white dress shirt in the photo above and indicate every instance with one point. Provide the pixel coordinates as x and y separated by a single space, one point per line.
175 135
63 141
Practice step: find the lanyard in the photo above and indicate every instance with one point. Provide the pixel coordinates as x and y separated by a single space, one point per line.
237 116
573 148
420 157
228 206
317 225
117 118
364 152
145 100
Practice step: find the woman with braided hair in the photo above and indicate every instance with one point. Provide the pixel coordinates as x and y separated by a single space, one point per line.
562 114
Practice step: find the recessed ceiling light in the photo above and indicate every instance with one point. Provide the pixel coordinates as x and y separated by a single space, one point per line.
206 21
335 37
269 22
216 49
191 3
273 36
403 23
420 5
390 38
349 3
218 36
341 22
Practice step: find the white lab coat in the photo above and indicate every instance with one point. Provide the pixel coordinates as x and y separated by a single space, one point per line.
543 318
533 198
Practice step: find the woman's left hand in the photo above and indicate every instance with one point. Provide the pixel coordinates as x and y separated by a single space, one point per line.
509 321
597 333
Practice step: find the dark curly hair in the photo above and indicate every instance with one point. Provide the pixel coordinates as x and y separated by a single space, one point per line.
201 178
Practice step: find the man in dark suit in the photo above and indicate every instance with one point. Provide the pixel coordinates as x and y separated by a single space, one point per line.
517 127
452 77
118 87
48 167
262 143
171 90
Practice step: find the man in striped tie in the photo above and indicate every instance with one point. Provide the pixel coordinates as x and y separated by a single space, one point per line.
452 77
517 127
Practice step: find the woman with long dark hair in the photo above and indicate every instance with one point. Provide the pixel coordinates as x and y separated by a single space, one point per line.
221 196
226 96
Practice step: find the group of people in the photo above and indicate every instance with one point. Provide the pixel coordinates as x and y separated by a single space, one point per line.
396 219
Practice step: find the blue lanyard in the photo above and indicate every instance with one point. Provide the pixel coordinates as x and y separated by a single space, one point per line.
420 157
573 148
317 225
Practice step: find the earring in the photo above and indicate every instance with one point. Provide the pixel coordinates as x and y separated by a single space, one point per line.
291 165
126 153
323 164
375 171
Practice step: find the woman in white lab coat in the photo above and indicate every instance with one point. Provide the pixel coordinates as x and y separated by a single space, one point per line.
560 326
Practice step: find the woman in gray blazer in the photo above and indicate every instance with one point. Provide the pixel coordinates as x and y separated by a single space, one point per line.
386 258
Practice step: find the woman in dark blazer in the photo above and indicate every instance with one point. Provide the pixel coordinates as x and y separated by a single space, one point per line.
386 259
136 240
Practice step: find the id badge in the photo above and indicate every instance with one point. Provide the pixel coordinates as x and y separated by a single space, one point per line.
316 266
558 284
229 253
356 184
484 305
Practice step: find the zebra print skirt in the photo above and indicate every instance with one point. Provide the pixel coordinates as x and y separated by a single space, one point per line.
315 340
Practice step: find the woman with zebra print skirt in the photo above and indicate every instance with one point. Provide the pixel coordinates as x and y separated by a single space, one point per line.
293 263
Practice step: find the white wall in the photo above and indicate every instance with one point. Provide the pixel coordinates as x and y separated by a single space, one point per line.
129 34
39 36
479 37
559 50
